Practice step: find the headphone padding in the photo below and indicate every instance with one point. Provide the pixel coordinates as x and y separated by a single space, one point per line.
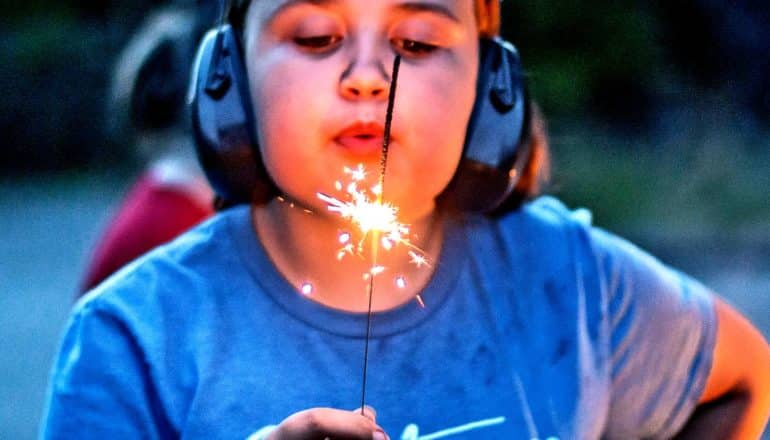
489 169
222 118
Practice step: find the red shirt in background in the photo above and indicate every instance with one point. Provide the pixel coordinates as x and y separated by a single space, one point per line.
165 202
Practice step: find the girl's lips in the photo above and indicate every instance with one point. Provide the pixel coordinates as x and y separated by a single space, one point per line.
361 138
360 144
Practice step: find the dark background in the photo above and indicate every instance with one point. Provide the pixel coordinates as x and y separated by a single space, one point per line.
659 116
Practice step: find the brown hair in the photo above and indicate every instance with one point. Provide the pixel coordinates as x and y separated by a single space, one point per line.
237 14
536 171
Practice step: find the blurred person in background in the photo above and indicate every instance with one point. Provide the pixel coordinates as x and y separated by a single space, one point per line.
147 106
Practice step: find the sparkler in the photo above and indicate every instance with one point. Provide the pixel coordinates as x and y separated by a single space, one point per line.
372 217
380 189
376 220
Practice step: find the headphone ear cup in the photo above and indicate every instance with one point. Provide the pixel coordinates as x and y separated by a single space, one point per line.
223 118
492 157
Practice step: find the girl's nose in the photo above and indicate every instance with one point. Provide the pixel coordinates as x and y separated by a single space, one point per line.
364 79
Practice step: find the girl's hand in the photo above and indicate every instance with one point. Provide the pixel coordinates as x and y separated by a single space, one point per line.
334 424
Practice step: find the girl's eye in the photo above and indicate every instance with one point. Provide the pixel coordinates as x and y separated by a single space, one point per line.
414 48
318 43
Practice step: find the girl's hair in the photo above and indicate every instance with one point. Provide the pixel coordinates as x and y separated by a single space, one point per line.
536 173
537 170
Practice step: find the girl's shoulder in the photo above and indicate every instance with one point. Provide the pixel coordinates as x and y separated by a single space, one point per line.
550 223
544 226
548 211
635 309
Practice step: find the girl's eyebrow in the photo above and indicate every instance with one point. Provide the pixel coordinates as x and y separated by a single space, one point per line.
435 8
292 3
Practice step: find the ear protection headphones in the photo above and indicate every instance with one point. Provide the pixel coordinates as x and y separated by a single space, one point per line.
494 155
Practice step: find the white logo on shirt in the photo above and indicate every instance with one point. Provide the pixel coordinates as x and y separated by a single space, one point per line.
412 431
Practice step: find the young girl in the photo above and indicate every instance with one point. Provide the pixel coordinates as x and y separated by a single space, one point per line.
533 324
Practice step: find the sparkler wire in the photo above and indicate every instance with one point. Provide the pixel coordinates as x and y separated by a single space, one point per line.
375 235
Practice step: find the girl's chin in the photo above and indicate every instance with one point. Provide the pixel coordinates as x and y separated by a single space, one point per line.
333 206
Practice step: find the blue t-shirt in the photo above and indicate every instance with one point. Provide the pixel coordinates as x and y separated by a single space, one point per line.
535 326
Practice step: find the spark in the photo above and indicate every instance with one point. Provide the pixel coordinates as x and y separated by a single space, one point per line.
366 214
376 270
419 260
364 209
306 288
373 272
292 205
370 215
357 174
348 249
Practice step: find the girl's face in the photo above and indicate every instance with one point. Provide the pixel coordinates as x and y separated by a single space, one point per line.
319 72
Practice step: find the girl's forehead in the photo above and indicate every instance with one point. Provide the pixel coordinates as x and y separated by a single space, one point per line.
280 3
268 8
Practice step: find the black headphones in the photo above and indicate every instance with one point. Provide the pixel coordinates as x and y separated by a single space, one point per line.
494 155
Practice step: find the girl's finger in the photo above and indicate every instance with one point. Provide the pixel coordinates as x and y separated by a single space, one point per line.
333 423
368 412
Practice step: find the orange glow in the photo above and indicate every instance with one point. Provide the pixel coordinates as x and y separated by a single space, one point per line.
370 216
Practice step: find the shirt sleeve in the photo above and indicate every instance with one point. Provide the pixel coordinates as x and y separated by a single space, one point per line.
662 328
99 385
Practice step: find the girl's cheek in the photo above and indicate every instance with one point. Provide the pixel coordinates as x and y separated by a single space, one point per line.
442 96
